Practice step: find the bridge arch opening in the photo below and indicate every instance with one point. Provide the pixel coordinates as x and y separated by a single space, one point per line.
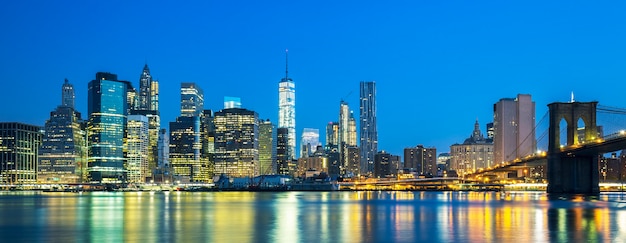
562 132
580 131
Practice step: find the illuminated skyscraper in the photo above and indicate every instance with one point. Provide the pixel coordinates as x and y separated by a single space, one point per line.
163 146
236 143
287 109
148 105
19 145
267 147
191 99
368 128
107 108
137 148
332 134
186 135
62 156
347 134
282 151
145 86
514 128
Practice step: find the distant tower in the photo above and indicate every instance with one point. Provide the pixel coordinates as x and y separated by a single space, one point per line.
287 108
368 128
145 94
67 95
62 154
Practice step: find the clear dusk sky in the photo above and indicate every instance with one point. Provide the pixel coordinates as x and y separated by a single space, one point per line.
438 65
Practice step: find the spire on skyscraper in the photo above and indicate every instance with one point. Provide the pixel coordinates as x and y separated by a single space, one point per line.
286 63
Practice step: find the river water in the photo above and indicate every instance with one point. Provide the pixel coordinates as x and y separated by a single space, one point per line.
309 217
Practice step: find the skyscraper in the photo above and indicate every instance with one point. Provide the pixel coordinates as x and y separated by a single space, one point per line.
19 145
368 128
287 108
282 151
332 135
514 128
267 147
137 148
67 95
191 99
62 156
145 86
148 105
347 134
163 146
107 108
237 142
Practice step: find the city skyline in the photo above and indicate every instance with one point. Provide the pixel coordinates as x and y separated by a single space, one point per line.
429 60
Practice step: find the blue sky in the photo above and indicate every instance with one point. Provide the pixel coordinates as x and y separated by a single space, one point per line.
439 65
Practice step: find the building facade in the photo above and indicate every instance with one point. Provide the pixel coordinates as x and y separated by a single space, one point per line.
267 147
236 143
282 151
138 149
475 153
19 149
421 160
108 109
386 164
514 128
368 127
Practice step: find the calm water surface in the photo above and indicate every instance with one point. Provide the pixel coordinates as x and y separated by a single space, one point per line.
308 217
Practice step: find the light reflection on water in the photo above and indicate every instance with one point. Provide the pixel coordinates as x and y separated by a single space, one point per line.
309 217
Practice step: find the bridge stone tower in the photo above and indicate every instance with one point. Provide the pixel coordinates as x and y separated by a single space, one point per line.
569 172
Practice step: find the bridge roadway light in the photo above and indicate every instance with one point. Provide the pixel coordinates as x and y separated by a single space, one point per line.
622 132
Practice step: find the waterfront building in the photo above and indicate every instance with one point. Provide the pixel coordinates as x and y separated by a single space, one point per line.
287 109
490 132
310 141
282 151
612 168
63 153
421 160
514 128
386 165
267 147
137 149
473 154
19 149
108 109
315 164
368 127
184 148
236 143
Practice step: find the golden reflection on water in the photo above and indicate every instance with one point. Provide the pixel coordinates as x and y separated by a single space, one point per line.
310 217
